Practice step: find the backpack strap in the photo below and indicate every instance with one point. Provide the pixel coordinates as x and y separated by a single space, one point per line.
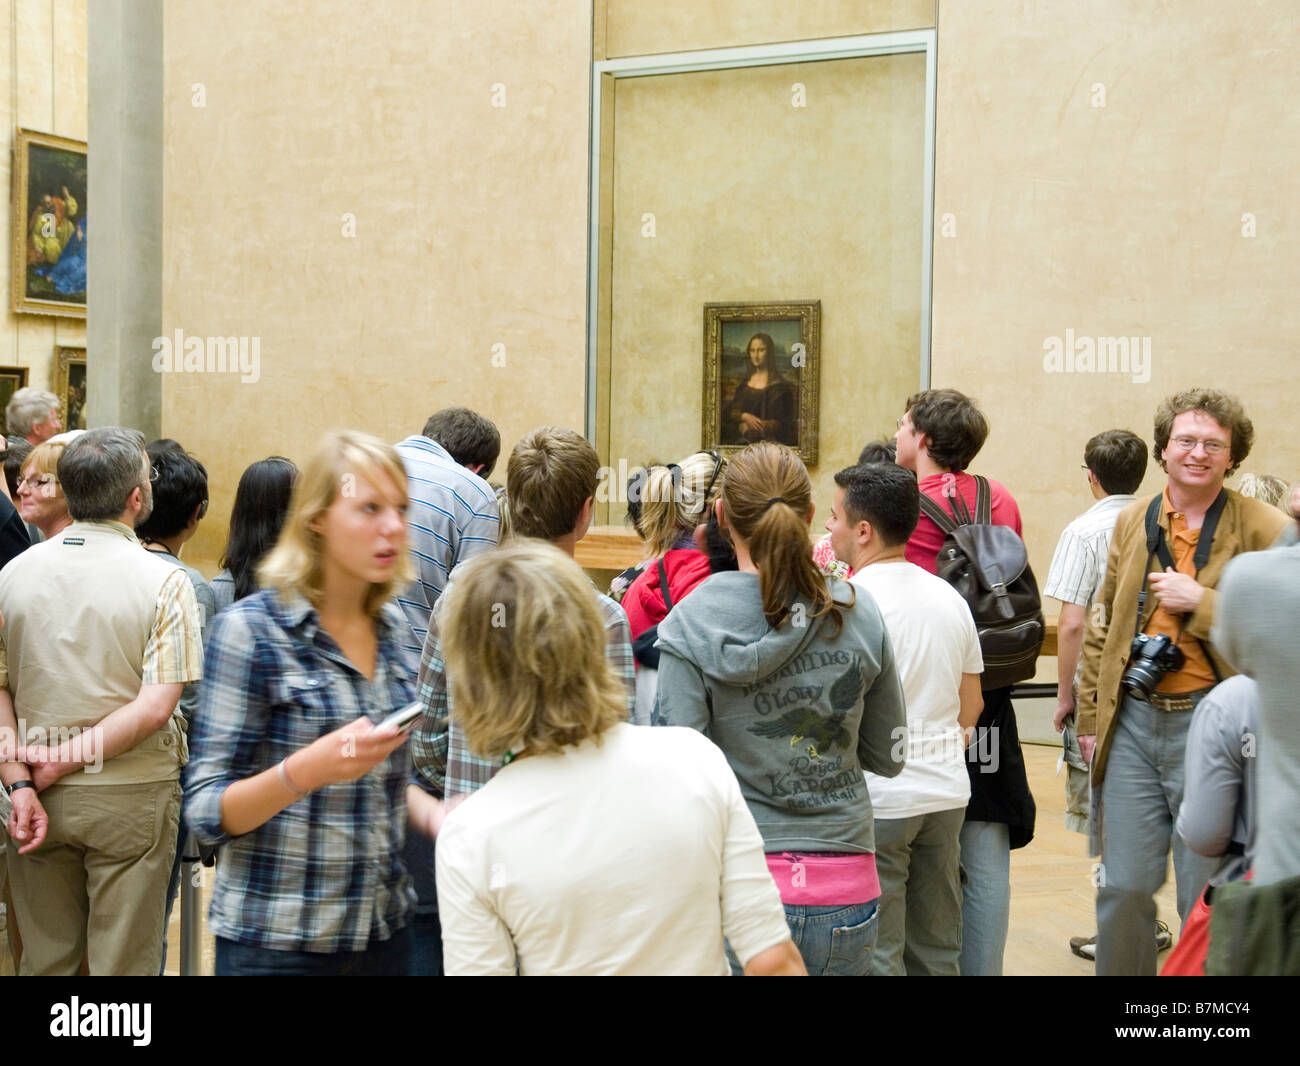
936 514
663 585
983 501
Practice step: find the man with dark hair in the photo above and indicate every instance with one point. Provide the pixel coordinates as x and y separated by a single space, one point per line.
99 639
919 813
470 439
180 500
1115 461
1148 661
938 436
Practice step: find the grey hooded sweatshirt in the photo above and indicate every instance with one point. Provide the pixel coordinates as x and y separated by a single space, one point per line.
799 713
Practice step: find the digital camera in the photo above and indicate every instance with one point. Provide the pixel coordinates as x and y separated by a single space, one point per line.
1152 658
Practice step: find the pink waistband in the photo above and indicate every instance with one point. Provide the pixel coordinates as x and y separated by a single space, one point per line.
825 879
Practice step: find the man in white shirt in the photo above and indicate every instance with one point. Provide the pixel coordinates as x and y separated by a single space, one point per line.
919 813
1116 462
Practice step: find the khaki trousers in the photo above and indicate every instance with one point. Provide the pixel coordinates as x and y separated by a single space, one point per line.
97 886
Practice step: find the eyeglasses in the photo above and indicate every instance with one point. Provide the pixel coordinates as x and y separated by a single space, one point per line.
1187 444
37 482
153 475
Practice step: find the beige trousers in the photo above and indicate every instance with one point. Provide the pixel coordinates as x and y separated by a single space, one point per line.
97 886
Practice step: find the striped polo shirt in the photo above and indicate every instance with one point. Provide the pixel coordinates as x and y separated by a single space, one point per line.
453 517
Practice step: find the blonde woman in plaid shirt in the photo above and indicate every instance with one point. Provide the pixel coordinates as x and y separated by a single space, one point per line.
288 769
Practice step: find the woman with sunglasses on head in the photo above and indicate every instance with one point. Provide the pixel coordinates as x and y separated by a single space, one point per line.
289 771
674 500
792 675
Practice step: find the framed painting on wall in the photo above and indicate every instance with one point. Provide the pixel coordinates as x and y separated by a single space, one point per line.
49 225
70 385
761 367
12 378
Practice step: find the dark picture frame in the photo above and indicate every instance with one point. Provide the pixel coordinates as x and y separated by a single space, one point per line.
12 378
48 260
762 365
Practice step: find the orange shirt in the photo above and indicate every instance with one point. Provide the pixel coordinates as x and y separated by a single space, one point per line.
1197 673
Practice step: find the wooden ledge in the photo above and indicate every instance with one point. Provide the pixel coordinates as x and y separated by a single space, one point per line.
618 547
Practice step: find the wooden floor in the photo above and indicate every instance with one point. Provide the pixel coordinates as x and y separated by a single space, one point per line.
1052 898
1051 890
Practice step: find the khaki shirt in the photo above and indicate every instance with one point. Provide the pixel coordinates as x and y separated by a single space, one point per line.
90 618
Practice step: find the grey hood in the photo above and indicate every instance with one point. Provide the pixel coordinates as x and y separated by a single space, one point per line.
732 642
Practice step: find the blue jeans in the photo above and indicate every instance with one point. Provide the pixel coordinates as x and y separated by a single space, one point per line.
383 958
1141 794
986 897
834 941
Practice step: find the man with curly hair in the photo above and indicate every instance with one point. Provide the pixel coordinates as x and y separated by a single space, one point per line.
1136 695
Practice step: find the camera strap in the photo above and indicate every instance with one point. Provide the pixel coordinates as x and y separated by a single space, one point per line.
1156 546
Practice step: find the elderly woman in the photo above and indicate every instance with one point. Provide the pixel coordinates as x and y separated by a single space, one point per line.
40 497
601 847
288 768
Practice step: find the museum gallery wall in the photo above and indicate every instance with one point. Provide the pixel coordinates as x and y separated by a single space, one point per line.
757 195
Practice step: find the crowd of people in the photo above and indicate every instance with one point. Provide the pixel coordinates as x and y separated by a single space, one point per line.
419 740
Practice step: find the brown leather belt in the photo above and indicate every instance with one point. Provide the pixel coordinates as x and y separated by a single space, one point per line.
1181 702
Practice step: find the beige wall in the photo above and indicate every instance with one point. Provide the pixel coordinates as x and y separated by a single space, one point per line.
634 27
470 221
757 200
42 87
1115 220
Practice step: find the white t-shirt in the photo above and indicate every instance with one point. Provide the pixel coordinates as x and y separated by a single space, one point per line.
935 642
634 856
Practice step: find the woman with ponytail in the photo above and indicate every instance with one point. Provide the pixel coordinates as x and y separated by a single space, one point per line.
792 675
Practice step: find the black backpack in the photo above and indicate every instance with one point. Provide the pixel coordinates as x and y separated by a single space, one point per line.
989 566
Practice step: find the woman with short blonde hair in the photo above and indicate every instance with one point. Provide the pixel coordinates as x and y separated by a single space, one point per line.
287 767
40 496
571 859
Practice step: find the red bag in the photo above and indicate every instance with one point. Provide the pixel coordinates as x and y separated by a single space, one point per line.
1188 957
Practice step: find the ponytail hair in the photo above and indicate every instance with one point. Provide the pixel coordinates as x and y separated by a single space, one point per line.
675 499
766 494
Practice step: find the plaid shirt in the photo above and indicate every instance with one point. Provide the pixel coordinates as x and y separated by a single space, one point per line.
325 874
437 744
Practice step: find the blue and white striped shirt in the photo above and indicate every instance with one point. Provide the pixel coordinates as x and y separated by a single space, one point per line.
453 517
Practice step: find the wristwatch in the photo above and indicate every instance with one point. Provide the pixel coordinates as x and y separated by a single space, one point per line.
11 789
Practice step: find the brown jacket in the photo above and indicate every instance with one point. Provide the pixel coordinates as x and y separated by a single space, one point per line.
1245 526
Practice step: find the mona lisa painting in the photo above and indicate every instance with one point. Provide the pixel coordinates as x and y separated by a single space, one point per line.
761 364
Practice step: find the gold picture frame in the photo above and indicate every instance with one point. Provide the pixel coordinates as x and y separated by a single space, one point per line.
70 385
762 365
48 260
